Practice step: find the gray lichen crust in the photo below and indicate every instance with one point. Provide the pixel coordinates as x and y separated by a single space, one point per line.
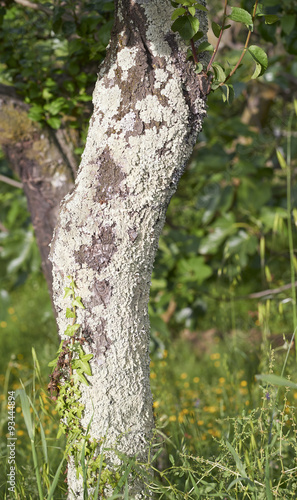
148 110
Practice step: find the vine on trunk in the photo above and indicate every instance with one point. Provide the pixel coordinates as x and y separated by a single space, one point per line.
70 369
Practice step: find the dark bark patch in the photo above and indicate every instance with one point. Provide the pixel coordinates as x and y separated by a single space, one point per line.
97 339
98 255
132 234
101 291
108 179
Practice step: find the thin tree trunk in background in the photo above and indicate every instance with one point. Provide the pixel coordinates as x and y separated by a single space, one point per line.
44 162
148 110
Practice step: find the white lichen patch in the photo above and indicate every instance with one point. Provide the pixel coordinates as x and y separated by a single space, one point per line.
160 77
107 100
126 124
150 109
126 58
159 14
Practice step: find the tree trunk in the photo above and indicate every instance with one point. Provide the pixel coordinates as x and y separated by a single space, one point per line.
148 109
43 161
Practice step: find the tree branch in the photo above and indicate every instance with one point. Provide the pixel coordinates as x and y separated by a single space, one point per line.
13 183
35 6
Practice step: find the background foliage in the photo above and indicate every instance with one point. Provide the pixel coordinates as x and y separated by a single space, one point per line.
225 239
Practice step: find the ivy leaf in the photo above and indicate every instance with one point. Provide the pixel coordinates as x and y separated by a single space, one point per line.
241 16
68 292
79 364
70 313
79 377
187 27
78 303
260 58
87 357
71 329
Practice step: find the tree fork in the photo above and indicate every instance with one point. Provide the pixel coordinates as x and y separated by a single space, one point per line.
148 109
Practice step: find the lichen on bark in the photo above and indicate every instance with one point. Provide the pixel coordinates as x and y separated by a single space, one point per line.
148 110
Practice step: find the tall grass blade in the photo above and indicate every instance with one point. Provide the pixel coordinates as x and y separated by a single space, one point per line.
239 464
276 380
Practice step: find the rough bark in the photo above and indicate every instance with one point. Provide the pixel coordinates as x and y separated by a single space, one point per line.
148 109
43 161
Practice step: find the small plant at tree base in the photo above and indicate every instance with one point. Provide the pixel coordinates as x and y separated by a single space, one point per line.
70 369
187 25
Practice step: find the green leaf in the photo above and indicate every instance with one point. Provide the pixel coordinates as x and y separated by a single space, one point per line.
199 6
288 23
70 313
276 380
219 72
187 27
78 303
218 232
84 366
241 16
68 292
192 11
227 93
177 13
239 464
198 68
281 159
216 28
54 107
205 47
54 362
46 94
79 377
54 122
193 269
260 58
71 329
271 18
36 113
195 23
26 412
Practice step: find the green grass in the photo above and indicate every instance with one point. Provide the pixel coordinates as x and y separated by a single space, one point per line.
220 432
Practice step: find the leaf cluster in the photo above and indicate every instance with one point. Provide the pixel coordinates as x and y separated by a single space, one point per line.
186 23
54 65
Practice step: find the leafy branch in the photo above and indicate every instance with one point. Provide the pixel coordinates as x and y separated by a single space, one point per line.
187 25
